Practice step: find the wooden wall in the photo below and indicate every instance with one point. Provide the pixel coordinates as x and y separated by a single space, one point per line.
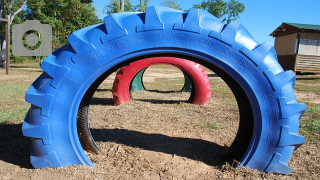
288 62
286 45
306 63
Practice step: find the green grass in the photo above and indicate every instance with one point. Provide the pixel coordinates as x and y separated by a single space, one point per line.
26 65
307 88
211 125
12 103
308 83
165 84
13 88
310 124
14 114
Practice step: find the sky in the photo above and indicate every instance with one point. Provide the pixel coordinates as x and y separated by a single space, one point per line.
260 17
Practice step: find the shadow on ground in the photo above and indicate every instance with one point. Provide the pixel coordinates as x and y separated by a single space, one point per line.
14 147
12 66
158 101
212 75
196 149
101 101
308 78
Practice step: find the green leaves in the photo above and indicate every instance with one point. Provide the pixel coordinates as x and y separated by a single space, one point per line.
114 6
234 9
171 4
64 16
229 11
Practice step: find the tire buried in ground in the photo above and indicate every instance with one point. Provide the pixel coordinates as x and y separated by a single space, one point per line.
125 76
269 112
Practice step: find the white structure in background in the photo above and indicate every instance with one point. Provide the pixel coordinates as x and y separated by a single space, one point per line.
298 47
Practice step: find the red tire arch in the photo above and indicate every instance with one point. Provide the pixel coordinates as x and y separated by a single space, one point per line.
125 75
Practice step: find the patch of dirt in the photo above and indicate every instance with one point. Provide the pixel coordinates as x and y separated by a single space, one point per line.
308 97
5 77
155 136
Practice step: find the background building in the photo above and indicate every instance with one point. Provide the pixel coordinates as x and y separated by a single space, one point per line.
298 47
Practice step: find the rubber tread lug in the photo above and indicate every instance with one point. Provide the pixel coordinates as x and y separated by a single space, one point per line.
48 160
228 34
258 54
281 79
289 109
277 166
55 71
37 131
288 139
75 59
79 44
192 22
41 100
152 20
112 25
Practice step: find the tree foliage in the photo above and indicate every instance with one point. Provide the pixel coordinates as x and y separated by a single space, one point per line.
114 6
11 8
64 16
227 10
171 4
142 6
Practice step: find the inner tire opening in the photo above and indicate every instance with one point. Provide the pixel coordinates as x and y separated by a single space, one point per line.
155 79
243 137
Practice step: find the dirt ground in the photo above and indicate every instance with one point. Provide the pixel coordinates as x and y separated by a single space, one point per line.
156 136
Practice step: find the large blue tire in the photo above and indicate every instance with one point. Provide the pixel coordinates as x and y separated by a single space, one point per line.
269 112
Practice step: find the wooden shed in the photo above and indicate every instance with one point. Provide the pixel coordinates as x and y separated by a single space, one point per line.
298 47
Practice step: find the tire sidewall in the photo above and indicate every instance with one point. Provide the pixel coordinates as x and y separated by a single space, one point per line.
249 76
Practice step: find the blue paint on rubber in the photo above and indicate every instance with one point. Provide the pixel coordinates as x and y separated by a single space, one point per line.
56 95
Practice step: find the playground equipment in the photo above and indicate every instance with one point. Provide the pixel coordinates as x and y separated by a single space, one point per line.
137 83
269 112
125 76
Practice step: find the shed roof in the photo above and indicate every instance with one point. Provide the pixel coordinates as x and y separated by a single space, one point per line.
305 26
290 28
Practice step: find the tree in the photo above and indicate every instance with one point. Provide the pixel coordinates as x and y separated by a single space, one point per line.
128 6
114 6
75 15
234 9
122 5
13 8
171 4
142 6
64 16
229 11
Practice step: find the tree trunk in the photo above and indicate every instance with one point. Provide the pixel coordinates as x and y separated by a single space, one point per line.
12 15
3 38
122 5
3 53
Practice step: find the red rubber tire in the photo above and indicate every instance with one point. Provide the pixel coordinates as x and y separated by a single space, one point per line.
125 75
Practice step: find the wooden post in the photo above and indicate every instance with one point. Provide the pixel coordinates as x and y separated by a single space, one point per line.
8 45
